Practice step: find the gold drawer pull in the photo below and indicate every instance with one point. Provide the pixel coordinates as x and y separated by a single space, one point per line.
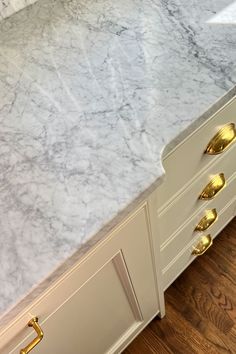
208 219
33 323
215 185
202 246
222 140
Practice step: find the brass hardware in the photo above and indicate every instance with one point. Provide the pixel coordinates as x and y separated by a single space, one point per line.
215 185
33 323
202 246
222 140
208 219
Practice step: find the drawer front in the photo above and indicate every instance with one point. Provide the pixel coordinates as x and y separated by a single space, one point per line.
188 158
97 306
188 203
180 263
187 234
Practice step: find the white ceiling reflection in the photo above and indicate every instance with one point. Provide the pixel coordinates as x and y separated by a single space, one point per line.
226 16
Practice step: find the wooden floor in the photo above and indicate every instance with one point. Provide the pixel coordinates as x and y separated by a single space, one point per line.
200 306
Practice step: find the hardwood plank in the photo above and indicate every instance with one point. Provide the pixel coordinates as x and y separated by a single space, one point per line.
226 301
199 297
148 343
178 336
207 330
200 306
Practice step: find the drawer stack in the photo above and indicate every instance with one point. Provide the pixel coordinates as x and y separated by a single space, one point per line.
198 196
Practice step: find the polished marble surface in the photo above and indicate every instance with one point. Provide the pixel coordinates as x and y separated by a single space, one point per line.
91 94
9 7
226 16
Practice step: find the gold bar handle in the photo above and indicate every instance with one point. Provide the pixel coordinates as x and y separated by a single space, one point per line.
33 323
208 219
222 140
213 187
202 246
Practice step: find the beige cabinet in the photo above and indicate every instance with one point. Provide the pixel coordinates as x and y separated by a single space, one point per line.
188 159
186 256
101 304
200 183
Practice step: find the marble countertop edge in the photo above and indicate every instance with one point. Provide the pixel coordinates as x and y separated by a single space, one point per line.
10 7
198 122
77 257
93 97
85 249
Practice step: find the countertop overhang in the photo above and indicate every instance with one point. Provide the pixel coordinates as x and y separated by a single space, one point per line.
91 94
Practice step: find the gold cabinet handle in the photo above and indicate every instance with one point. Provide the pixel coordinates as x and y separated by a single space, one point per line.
33 323
213 187
222 140
202 246
208 219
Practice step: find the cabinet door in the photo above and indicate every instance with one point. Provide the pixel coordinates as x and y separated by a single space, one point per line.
100 306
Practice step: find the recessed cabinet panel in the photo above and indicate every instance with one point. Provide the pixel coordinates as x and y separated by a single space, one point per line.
100 304
93 318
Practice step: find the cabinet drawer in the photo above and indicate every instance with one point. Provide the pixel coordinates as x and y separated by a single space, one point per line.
185 236
188 203
188 158
182 260
100 303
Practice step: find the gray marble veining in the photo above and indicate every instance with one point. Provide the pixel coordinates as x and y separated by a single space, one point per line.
91 93
9 7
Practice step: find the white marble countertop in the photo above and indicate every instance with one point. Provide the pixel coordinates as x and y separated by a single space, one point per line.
9 7
91 92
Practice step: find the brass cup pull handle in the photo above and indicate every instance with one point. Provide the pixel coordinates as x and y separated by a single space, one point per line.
202 246
213 187
208 219
222 140
33 323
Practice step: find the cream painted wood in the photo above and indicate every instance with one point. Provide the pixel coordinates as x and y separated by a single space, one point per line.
187 204
184 258
101 304
94 317
155 249
188 159
187 232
